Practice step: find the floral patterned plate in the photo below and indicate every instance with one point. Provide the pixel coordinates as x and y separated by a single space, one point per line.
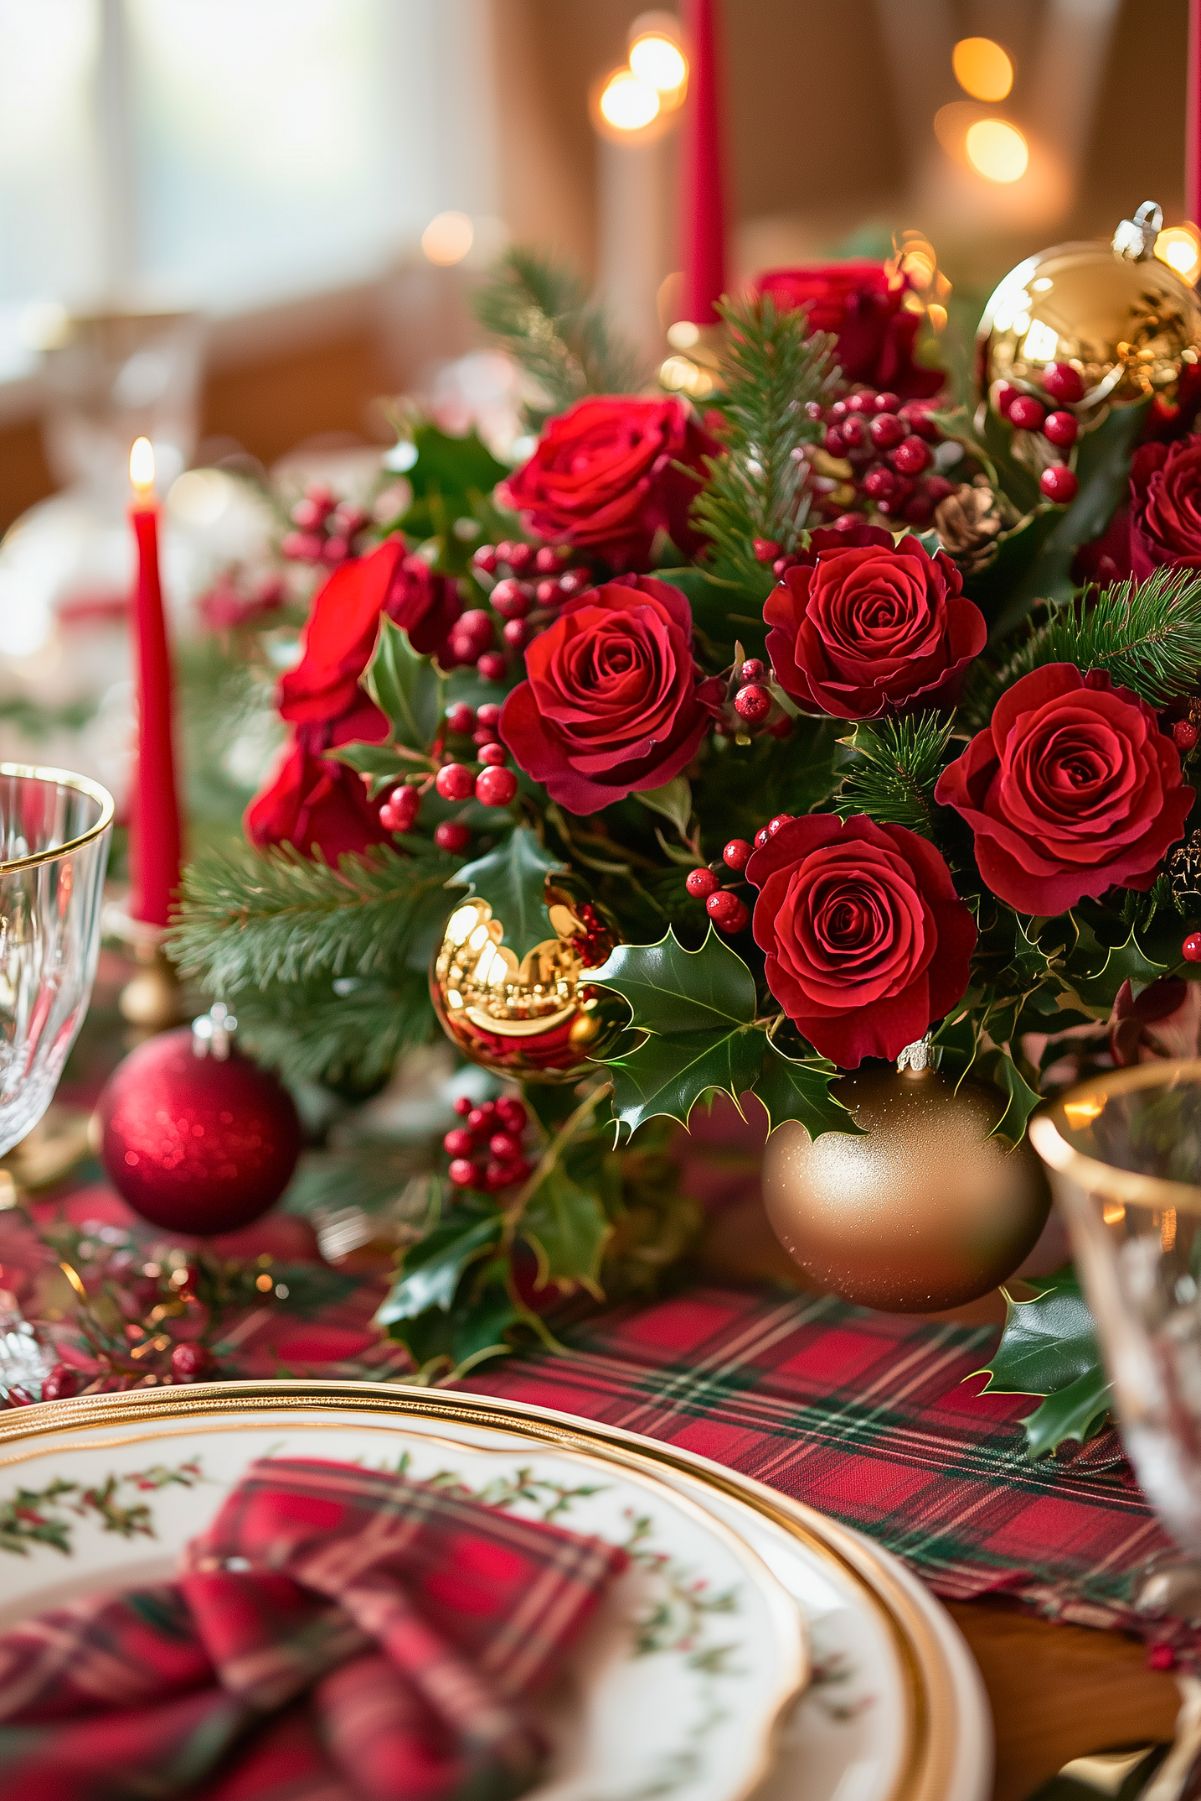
682 1678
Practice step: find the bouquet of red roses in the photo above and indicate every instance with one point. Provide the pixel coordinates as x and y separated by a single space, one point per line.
721 742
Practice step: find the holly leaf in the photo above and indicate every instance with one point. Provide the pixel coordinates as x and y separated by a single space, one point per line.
1078 1411
378 762
1020 1099
406 686
433 1268
1047 1344
448 476
673 801
512 879
801 1089
565 1226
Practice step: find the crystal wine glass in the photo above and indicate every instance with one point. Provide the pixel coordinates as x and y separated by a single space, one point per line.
54 838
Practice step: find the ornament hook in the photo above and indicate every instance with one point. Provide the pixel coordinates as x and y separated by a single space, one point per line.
916 1056
213 1033
1134 239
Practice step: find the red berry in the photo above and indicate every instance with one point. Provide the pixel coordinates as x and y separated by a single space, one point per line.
774 824
1186 734
452 835
1026 413
911 456
920 421
919 508
780 567
488 716
886 402
1058 483
1061 429
480 1118
504 1146
454 781
766 550
1063 383
839 409
492 666
1190 950
548 592
753 669
1004 395
399 812
495 787
726 911
701 883
494 754
572 582
854 433
752 703
1161 1657
463 1104
510 599
761 837
512 1114
462 1172
458 1142
504 551
460 719
887 431
520 556
497 1175
880 484
188 1361
737 854
303 547
485 559
474 626
834 441
938 487
516 632
547 559
61 1382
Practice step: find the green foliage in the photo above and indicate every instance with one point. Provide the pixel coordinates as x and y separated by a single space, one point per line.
566 1226
406 687
512 879
772 368
561 338
433 1268
1048 1347
348 1033
801 1089
895 764
1146 635
449 475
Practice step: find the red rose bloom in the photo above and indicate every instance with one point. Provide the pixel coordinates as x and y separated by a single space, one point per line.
605 478
1165 507
867 942
861 625
1071 789
315 803
863 305
611 701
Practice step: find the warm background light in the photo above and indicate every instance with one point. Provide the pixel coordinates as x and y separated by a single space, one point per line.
448 238
141 465
1179 246
659 62
627 104
982 68
997 150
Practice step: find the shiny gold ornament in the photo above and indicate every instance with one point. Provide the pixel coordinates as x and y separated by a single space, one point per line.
926 1210
536 1018
1124 321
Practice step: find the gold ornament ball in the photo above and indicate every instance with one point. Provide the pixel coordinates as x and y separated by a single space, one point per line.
1119 316
925 1210
535 1018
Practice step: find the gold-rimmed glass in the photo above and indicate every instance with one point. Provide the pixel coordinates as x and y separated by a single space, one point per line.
54 837
1124 1152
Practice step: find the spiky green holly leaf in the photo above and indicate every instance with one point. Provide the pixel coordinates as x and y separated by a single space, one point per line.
565 1225
512 879
1046 1344
696 1012
1020 1099
406 686
1079 1411
801 1089
433 1268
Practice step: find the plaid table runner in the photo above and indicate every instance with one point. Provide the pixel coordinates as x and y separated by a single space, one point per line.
349 1633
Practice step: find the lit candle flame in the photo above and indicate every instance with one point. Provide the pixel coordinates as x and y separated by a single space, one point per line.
141 469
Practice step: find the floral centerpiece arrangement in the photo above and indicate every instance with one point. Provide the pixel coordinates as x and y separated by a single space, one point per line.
726 743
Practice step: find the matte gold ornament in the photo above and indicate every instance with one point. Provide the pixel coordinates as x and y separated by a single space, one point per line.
536 1018
925 1210
1117 316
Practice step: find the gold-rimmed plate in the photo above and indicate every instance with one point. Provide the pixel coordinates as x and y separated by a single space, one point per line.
894 1711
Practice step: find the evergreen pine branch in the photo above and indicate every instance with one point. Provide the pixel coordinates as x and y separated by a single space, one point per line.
561 338
773 369
348 1032
1145 635
251 919
896 764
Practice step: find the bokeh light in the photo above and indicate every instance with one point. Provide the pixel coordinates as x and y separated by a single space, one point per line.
1179 246
982 68
997 150
658 60
448 238
626 103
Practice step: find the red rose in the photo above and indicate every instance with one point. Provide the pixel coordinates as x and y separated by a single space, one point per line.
867 942
1071 789
315 803
862 625
1165 507
606 478
611 703
864 305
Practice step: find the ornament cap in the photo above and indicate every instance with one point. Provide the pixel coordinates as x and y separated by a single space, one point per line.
916 1058
1134 239
213 1033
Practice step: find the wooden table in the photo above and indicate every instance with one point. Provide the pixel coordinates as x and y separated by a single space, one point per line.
1057 1692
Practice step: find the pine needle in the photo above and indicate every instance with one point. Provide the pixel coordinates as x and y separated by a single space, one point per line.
896 764
1145 635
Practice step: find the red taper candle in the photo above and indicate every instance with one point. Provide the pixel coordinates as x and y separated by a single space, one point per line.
1192 116
703 200
154 799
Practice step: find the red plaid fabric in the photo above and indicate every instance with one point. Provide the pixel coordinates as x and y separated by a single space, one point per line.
871 1418
336 1635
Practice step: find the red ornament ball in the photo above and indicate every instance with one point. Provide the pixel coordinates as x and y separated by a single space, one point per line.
196 1143
1190 950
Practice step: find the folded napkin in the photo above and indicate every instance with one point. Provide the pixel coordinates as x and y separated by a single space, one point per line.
336 1635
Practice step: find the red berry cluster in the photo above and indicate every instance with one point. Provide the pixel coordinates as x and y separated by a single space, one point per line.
891 447
527 581
324 529
237 600
1047 417
485 1149
491 784
725 907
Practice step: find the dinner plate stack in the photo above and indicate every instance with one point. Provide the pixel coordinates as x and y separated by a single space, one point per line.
753 1647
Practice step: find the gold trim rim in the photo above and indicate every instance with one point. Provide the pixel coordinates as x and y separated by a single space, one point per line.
933 1733
1051 1135
79 784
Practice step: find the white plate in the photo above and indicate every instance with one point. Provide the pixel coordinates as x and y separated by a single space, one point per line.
894 1710
677 1686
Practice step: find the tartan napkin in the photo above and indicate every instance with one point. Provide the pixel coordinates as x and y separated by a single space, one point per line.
337 1634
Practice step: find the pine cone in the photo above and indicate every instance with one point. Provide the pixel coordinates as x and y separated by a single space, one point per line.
968 523
1184 874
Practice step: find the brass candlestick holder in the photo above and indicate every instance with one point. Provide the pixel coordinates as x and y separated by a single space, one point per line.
153 999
